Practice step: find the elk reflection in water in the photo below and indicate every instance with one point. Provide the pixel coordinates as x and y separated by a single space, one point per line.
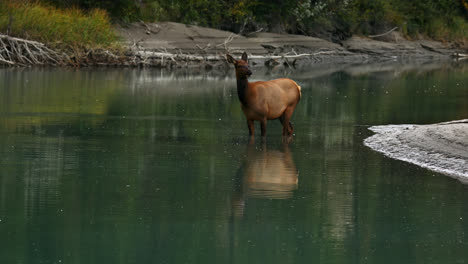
264 173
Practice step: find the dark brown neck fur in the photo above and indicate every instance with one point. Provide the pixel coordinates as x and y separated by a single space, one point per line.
242 84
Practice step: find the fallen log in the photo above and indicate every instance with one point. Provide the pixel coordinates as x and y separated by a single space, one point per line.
179 57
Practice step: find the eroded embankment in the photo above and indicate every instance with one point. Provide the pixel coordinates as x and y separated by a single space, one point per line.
169 43
172 45
439 147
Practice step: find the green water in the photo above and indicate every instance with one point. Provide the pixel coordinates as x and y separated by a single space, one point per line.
150 166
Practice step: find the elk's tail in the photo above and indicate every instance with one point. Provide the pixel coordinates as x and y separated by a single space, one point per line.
298 88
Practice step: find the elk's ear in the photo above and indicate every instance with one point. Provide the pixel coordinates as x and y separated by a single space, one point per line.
244 56
230 59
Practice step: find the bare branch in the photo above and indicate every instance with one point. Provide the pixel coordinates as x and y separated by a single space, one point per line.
386 33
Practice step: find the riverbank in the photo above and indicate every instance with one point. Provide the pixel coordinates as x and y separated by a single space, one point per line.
439 147
170 44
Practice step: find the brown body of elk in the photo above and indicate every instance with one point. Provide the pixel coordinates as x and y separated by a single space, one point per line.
265 100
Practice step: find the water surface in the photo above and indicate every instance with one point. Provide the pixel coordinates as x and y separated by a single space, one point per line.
150 166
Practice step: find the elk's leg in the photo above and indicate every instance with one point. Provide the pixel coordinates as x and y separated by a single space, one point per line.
287 127
281 119
263 126
250 124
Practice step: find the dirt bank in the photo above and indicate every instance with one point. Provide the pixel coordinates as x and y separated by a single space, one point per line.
440 147
177 43
172 45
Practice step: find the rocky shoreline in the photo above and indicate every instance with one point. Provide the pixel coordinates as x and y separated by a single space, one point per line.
439 147
175 45
170 44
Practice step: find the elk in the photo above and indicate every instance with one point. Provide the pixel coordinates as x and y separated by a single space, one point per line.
265 100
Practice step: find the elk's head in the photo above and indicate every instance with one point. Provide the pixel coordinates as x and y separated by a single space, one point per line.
241 66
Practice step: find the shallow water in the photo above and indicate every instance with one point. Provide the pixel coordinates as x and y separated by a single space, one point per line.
149 166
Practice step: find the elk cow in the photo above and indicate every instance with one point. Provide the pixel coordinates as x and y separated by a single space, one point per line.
265 100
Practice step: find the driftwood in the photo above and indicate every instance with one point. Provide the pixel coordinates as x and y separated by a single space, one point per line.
21 52
383 34
164 58
460 56
147 56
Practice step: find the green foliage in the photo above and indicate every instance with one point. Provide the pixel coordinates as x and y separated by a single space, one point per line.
333 19
120 10
439 19
432 18
63 27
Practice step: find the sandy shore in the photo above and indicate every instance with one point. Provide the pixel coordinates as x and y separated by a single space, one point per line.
439 147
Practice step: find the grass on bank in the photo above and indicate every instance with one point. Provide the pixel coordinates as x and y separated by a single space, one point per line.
62 28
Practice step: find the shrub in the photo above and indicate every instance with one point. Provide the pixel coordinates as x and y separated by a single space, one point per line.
70 27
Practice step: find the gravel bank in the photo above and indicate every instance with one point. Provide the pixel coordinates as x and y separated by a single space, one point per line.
439 147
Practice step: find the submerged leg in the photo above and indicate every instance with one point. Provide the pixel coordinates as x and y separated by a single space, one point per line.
263 127
281 119
291 128
287 127
286 140
285 124
251 126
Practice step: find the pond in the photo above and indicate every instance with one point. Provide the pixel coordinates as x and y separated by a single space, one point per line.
152 166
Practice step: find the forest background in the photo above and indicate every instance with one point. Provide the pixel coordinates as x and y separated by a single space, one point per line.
89 22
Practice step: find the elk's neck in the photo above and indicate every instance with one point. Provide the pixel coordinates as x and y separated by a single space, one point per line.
242 84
